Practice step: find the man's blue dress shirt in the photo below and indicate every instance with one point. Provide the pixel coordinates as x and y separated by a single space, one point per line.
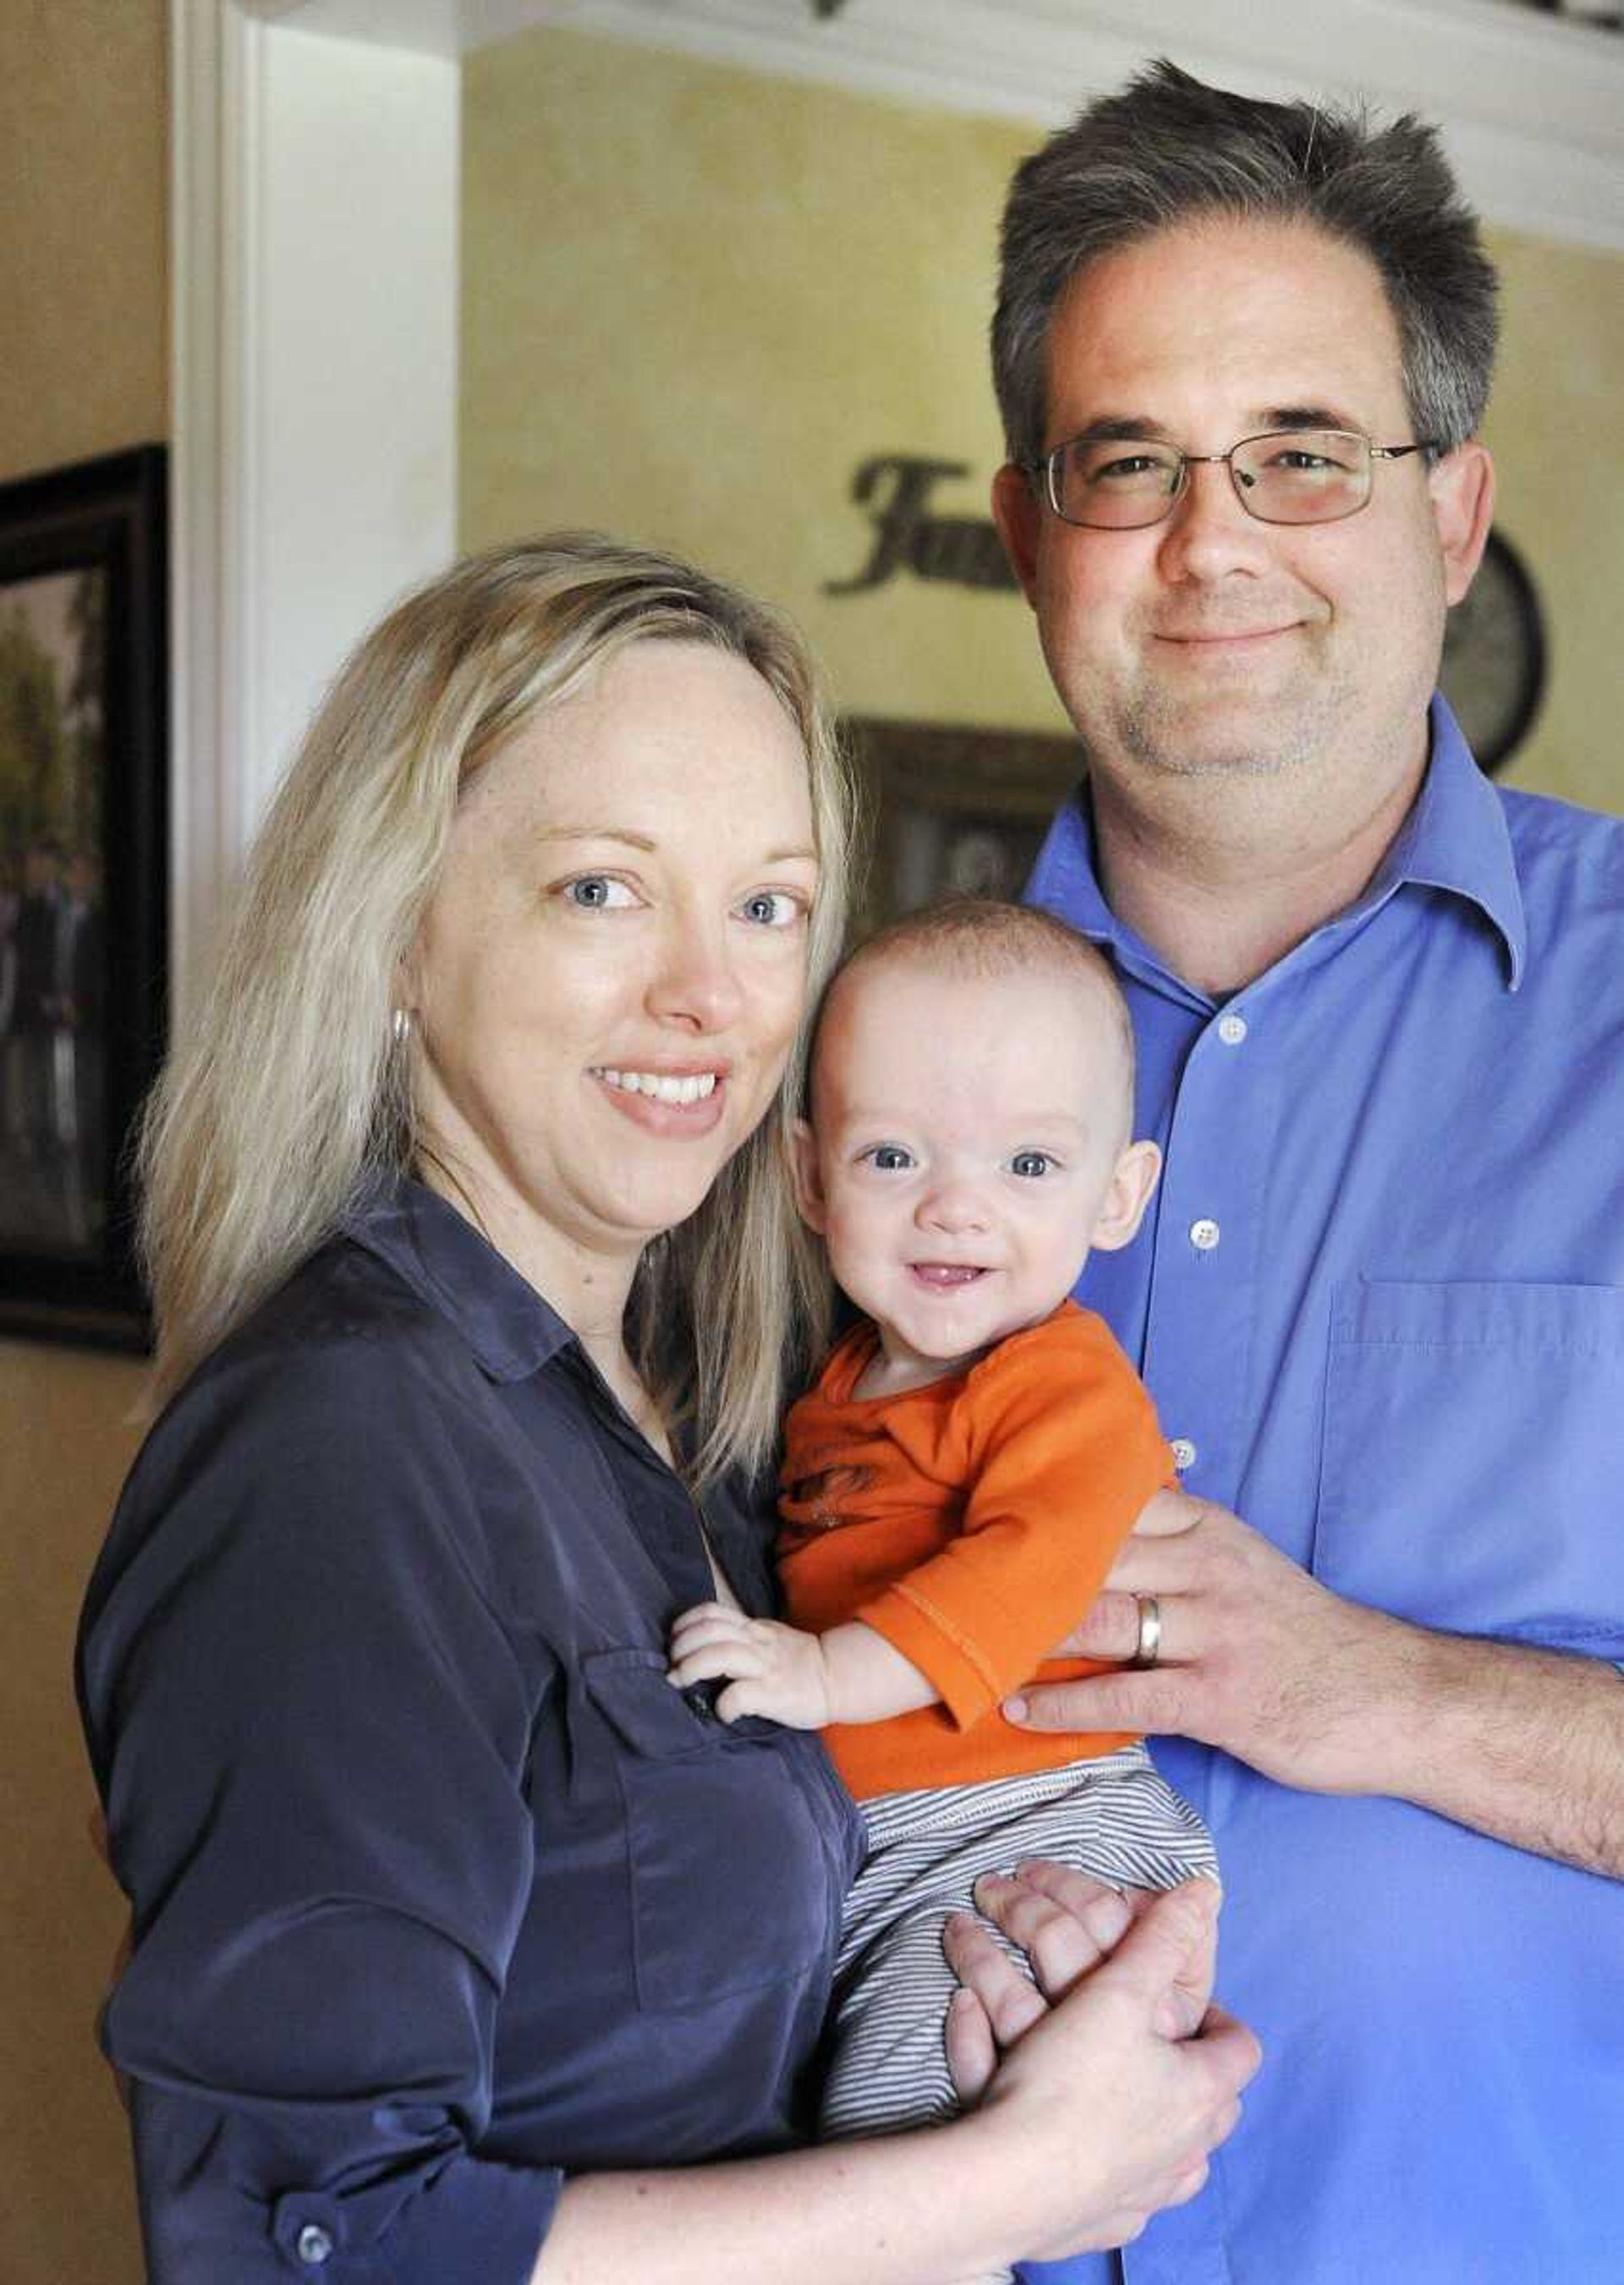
1380 1303
439 1887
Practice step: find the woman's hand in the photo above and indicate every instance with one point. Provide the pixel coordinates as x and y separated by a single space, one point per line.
1123 2000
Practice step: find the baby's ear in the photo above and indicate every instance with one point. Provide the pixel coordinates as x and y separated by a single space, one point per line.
807 1175
1132 1185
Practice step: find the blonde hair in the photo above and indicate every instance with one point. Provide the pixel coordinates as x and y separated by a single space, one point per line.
289 1093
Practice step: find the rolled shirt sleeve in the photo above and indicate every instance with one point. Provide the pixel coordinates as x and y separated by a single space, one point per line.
316 1801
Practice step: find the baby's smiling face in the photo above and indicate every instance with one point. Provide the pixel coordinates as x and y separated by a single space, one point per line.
968 1147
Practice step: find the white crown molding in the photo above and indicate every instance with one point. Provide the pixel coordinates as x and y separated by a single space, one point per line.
1532 106
424 28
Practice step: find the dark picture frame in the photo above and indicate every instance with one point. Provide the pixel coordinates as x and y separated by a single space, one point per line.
956 811
84 885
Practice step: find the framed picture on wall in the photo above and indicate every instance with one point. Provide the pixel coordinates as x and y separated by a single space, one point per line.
957 811
83 892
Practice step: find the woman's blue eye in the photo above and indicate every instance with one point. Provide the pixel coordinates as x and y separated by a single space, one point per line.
1030 1164
773 908
596 892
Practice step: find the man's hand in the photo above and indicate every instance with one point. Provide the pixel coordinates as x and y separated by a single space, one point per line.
773 1669
1256 1657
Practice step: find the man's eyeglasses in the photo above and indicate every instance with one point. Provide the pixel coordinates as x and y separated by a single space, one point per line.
1290 475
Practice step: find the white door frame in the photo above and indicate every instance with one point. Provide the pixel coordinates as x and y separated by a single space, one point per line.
315 187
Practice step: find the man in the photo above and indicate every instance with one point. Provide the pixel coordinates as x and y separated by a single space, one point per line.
1242 351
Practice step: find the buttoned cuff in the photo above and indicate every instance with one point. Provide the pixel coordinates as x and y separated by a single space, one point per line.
475 2218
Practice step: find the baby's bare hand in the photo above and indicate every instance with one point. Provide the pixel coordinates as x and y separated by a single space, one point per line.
770 1669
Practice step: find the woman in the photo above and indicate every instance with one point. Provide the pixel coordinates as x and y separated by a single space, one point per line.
477 1279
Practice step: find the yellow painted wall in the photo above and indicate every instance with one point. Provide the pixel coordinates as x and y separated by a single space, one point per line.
64 2177
1557 429
695 298
82 167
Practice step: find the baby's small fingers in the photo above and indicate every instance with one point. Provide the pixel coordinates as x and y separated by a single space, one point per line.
712 1662
740 1697
698 1614
704 1618
710 1624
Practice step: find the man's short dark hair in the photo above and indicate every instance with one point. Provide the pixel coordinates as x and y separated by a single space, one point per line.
1169 149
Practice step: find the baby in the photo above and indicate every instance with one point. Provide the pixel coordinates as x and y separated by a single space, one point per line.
957 1483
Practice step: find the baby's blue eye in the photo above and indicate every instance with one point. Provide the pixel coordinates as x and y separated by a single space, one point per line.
1030 1164
889 1157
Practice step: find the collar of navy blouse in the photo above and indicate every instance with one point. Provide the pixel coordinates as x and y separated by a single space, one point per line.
445 1261
1455 838
513 1333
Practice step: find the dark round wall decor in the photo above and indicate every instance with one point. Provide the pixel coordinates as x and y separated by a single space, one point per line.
1494 665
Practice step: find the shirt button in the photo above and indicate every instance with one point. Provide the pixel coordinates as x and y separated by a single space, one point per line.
313 2245
1183 1453
1232 1029
1204 1235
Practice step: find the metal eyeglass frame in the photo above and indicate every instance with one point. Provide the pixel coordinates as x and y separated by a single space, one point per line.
1046 468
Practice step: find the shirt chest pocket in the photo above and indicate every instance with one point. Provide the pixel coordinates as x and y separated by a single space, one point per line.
1473 1463
736 1854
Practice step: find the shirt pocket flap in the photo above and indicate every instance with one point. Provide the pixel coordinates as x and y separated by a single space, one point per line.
629 1688
1473 1463
722 1837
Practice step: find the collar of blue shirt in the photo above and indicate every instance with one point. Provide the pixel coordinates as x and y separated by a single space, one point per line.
1455 838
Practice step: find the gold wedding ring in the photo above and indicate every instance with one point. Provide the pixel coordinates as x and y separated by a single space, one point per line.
1148 1649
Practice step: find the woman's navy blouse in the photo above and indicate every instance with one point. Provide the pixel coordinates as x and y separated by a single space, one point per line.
440 1889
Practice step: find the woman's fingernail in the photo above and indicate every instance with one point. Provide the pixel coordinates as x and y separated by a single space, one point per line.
1015 1709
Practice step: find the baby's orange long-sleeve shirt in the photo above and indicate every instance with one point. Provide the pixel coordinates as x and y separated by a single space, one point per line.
971 1523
